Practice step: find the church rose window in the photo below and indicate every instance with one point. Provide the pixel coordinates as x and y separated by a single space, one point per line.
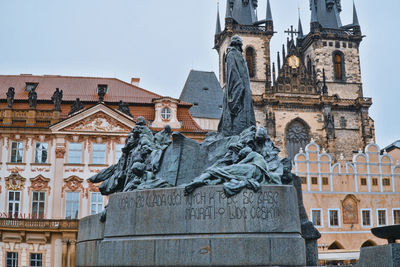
296 137
250 59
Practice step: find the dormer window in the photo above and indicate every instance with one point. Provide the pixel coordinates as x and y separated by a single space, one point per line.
166 113
30 86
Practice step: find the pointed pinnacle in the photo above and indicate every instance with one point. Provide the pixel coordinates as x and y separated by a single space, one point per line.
218 26
355 16
269 13
300 28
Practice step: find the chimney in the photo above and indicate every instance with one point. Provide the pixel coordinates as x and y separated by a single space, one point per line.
135 81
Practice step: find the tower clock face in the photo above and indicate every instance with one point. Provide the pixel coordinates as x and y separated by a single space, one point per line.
294 62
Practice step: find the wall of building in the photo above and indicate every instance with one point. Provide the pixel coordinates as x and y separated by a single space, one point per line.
370 182
321 54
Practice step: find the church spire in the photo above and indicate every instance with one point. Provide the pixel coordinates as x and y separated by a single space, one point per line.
218 26
355 16
300 29
269 13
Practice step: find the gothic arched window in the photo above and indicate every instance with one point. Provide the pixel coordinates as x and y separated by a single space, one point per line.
296 137
251 61
338 65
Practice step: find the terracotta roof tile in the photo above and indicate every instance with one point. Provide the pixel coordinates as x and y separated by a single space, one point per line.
73 87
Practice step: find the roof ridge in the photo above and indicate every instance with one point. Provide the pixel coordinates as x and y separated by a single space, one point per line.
82 77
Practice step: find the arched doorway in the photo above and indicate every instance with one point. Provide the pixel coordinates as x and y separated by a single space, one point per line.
368 243
297 136
335 245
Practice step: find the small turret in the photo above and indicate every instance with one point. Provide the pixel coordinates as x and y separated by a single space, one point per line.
269 23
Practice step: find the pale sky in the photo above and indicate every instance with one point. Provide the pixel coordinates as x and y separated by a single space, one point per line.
160 41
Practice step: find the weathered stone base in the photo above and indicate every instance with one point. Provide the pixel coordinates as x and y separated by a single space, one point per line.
385 256
210 250
162 227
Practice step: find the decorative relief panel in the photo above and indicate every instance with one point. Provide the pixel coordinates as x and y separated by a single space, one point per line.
72 183
350 209
15 181
98 122
39 183
60 152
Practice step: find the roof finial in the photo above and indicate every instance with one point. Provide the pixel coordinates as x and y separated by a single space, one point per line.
269 13
355 16
218 26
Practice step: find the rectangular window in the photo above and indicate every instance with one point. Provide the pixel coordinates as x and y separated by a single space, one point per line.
334 218
314 180
38 204
75 153
41 152
382 220
96 203
17 152
386 182
304 180
14 203
363 181
99 154
36 260
396 216
12 259
366 218
325 181
72 205
316 217
118 151
375 181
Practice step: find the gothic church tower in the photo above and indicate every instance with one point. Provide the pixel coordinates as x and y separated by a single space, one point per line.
316 90
242 19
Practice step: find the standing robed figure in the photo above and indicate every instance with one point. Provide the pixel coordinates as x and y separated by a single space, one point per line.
238 111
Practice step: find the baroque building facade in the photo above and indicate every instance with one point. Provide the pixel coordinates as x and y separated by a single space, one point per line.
52 143
314 90
345 199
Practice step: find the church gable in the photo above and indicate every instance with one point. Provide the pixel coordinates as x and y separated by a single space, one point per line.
295 77
96 119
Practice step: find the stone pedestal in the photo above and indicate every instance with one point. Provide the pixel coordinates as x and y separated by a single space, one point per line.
162 227
387 256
